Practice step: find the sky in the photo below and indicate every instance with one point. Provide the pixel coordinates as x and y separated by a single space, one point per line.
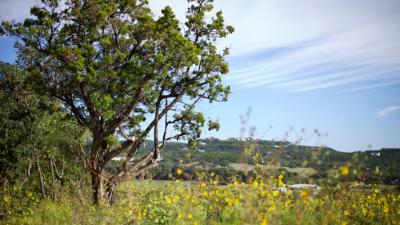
324 73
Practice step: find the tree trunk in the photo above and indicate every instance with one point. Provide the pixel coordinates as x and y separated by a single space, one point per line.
53 192
103 190
103 187
41 177
110 192
98 146
97 186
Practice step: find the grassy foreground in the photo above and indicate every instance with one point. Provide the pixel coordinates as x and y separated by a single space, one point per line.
256 202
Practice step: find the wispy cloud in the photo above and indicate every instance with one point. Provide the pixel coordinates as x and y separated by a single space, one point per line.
387 111
371 86
328 63
349 45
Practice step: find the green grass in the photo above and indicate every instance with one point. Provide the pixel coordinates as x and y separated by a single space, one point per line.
176 202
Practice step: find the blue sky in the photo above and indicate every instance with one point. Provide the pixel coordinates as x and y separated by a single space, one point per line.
327 72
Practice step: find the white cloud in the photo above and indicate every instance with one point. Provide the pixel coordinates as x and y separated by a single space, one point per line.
388 110
16 9
350 44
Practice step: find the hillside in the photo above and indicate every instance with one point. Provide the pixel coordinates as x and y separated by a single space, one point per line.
299 162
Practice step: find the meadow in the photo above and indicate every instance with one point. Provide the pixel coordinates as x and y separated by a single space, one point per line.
260 190
208 202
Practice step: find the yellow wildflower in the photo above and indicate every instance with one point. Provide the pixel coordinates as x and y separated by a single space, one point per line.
6 199
304 194
237 201
364 211
255 183
264 221
386 209
229 201
344 170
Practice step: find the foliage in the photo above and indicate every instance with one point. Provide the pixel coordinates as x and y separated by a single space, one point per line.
38 145
119 71
20 113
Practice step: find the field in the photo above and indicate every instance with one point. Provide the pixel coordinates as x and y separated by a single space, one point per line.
301 171
205 189
256 202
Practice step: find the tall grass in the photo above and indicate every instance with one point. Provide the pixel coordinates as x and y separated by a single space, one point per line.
255 202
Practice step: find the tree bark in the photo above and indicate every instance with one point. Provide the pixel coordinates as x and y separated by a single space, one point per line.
110 192
97 186
41 177
96 170
53 193
103 189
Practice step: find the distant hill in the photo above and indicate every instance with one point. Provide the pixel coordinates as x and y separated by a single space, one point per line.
233 155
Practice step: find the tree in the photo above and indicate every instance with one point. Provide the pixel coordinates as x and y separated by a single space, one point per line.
18 113
36 138
125 74
38 145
